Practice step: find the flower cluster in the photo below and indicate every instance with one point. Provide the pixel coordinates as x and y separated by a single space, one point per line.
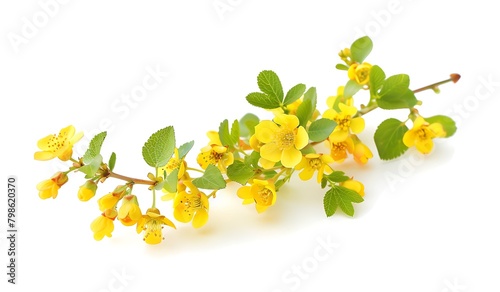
260 156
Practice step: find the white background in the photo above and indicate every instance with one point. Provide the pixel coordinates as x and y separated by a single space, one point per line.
427 224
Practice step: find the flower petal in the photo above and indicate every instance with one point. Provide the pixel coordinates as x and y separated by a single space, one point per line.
287 121
200 218
357 125
265 131
290 157
301 138
271 152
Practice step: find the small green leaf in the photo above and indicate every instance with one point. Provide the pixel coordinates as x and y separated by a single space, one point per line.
253 159
235 132
170 183
341 67
112 161
377 77
159 147
389 139
225 137
308 149
262 100
268 174
351 88
361 48
270 84
395 86
324 181
240 172
91 168
211 179
294 93
448 123
306 109
320 129
337 176
94 147
247 125
405 100
342 197
330 202
185 148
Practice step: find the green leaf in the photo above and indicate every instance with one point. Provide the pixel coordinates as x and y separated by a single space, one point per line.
306 109
112 161
308 149
320 129
225 137
262 100
389 139
341 67
185 148
253 159
91 168
235 132
330 202
361 48
351 88
270 84
342 197
94 147
294 93
448 124
337 176
268 174
405 100
247 125
377 77
159 147
211 179
170 183
395 85
240 172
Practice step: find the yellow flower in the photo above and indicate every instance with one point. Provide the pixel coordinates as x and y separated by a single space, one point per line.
360 73
314 162
60 146
191 205
50 187
173 164
360 151
345 122
422 134
129 212
110 200
283 138
152 225
216 155
87 191
262 192
104 225
354 185
338 150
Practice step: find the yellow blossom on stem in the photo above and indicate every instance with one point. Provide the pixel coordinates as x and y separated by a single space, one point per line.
360 73
173 164
87 191
50 187
110 200
282 139
129 212
191 205
360 151
345 122
216 155
152 224
60 146
354 185
104 224
260 192
314 162
339 150
421 135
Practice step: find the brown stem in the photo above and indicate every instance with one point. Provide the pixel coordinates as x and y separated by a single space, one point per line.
131 179
453 77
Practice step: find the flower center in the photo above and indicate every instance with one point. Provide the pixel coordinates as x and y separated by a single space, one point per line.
286 139
422 133
315 163
57 142
264 197
153 228
172 164
363 74
343 122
